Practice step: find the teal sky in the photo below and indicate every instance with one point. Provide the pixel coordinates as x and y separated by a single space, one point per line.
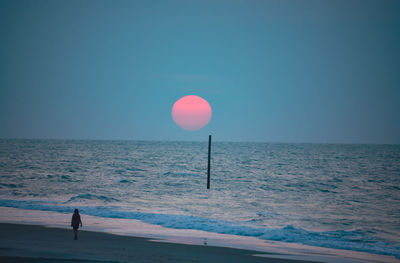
272 71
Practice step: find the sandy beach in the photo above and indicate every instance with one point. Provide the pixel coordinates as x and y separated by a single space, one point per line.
29 243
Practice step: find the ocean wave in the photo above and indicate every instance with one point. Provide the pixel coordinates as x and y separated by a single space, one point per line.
357 240
126 181
83 197
179 174
11 185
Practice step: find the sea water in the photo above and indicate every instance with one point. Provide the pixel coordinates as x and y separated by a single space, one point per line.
328 195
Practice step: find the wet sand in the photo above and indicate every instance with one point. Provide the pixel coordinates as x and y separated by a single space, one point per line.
31 243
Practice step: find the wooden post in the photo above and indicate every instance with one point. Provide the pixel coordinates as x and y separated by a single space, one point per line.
209 156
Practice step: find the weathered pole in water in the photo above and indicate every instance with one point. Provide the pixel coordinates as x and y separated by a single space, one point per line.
209 156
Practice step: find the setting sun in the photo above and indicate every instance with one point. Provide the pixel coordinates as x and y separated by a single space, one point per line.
191 112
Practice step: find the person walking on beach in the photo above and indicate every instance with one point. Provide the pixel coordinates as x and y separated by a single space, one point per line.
75 222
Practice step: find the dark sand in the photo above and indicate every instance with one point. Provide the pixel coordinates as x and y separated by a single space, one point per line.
29 243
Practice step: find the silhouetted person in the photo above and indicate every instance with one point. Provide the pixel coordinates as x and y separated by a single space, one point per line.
75 222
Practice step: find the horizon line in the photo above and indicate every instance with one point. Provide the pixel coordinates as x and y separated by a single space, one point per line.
222 141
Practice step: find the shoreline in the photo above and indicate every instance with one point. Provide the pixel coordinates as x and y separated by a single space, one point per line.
34 243
249 249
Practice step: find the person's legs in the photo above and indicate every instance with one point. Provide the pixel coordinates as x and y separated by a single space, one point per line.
75 233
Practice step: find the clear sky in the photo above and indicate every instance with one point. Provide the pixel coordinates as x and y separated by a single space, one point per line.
272 71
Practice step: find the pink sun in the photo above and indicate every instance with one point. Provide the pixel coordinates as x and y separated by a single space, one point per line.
191 112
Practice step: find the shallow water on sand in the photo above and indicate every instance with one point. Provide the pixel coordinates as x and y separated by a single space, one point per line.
335 196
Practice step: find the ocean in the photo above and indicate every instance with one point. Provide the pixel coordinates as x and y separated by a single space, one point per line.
338 196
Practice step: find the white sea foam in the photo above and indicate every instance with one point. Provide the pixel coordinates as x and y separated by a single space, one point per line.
352 240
